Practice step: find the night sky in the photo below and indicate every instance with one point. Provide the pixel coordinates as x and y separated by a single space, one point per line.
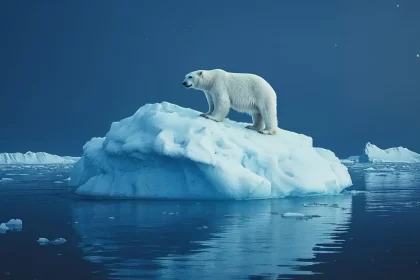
345 72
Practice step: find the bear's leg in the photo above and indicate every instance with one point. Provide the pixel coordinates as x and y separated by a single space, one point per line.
257 122
221 109
269 115
211 105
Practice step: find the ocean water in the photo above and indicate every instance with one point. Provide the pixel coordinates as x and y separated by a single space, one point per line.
371 231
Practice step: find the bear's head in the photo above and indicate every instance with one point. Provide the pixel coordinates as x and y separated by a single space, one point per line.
193 79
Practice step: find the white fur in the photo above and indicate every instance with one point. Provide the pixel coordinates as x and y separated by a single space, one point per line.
243 92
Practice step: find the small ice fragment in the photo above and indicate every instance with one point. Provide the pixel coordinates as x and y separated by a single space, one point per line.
314 204
3 228
171 213
163 213
312 216
111 218
355 192
14 224
292 215
76 222
370 169
58 241
6 180
68 179
43 241
58 182
205 227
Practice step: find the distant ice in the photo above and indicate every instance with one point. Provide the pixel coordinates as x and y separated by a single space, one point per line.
347 161
380 169
166 151
58 182
35 158
374 154
58 241
43 241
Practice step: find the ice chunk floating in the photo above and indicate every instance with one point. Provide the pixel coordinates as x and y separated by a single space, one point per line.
373 153
35 158
57 241
43 241
166 151
14 224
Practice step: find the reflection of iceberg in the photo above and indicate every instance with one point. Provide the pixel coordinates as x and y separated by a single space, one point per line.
396 180
241 239
394 191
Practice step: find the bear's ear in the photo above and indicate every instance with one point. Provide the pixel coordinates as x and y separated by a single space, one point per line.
200 73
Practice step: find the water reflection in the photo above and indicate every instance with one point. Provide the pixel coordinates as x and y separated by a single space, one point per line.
392 187
190 240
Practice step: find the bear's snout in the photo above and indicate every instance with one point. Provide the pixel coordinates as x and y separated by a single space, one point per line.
185 83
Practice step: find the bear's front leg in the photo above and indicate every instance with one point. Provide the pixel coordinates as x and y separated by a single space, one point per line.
221 109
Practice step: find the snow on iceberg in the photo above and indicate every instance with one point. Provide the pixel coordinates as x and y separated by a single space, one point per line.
35 158
373 153
166 151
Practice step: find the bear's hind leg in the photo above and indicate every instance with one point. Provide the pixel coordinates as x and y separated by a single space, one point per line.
257 122
269 116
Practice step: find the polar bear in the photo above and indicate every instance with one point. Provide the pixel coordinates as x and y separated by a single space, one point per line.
247 93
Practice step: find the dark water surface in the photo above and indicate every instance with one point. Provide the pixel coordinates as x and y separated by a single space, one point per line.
371 234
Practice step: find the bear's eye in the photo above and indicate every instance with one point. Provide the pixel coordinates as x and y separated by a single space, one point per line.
189 77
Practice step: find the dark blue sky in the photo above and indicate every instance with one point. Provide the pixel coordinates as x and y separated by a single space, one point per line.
70 68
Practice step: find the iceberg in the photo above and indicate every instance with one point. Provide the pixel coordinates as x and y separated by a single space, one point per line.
374 154
35 158
165 151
